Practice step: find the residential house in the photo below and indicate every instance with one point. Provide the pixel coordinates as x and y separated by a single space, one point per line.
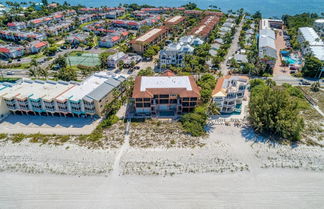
174 54
112 60
229 93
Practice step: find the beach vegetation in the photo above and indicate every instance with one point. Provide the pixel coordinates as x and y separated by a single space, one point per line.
275 110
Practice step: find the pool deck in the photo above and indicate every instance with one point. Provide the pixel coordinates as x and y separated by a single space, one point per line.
278 70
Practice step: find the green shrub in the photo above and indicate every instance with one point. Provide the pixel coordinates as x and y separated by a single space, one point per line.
3 136
16 138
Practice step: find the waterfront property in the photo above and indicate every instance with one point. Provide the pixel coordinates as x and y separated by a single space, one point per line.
164 96
205 26
311 42
271 24
87 98
229 93
153 36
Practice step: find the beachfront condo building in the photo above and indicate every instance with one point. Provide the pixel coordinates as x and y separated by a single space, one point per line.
229 93
164 96
35 97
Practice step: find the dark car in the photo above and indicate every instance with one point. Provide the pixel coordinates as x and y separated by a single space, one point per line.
304 82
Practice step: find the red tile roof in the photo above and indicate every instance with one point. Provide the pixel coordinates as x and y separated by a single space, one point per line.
4 50
115 38
40 44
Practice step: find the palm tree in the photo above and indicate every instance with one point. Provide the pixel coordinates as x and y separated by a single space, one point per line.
213 109
32 72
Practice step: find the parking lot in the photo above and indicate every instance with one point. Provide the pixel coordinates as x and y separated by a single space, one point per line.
28 124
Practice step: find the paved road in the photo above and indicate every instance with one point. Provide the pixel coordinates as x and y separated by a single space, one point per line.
234 47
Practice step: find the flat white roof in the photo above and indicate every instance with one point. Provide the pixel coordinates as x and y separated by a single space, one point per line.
149 34
319 21
162 82
318 52
311 36
35 90
85 87
175 18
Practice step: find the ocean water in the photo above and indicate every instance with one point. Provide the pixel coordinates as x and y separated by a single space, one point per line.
269 8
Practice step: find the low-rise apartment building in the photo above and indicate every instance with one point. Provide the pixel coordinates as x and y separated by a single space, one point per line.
153 36
16 25
78 38
311 42
166 95
87 98
229 93
21 35
36 46
205 26
175 23
11 51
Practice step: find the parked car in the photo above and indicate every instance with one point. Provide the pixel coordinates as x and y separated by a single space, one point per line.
10 73
304 82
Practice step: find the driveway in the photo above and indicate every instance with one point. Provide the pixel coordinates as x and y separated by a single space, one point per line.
234 47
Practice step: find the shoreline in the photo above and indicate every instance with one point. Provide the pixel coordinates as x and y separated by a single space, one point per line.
268 189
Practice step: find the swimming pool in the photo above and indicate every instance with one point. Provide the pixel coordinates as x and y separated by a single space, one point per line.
291 60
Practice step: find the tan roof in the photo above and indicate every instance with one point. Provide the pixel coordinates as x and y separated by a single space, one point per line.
174 20
150 35
219 85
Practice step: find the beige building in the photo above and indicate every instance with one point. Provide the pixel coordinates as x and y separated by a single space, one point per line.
87 98
152 37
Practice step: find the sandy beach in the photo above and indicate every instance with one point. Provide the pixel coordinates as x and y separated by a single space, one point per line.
234 169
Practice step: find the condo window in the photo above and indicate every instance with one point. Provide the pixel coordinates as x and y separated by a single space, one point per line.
139 105
147 99
138 99
173 101
185 99
164 96
193 98
147 104
164 101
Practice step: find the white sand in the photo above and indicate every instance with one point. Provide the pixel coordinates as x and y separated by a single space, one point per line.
49 159
233 170
268 189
